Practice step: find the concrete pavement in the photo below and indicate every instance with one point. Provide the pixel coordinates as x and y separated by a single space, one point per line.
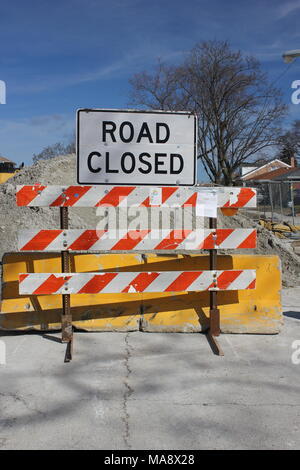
153 391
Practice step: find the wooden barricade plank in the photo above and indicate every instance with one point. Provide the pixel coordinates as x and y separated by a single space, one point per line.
142 240
95 196
115 282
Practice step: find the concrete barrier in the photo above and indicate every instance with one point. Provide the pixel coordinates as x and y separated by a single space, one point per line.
248 311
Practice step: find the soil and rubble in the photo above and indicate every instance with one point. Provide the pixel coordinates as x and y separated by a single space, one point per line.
267 244
62 170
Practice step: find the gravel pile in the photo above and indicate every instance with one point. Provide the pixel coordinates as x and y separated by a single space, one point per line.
267 244
62 170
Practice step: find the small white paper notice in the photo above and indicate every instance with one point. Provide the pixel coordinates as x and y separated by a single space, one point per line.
207 204
199 209
155 197
233 198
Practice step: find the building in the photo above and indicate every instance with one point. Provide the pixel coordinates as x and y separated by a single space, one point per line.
273 182
256 172
7 169
292 176
269 176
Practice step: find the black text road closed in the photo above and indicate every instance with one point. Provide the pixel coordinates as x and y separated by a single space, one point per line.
119 147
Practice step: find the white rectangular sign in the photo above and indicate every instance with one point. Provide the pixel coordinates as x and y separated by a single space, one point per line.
118 147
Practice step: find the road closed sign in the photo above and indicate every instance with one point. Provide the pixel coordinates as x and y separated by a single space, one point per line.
117 147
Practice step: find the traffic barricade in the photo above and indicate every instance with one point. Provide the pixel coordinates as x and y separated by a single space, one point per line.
175 240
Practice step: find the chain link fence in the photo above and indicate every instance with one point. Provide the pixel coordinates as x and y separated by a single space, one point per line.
278 201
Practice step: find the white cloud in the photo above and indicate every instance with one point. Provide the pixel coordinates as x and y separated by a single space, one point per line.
21 138
288 7
138 58
61 81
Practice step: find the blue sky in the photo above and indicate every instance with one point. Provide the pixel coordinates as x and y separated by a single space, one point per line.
60 55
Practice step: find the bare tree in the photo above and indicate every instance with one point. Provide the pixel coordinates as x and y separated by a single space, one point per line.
56 149
161 90
239 111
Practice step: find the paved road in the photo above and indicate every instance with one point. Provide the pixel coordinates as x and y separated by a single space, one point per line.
153 391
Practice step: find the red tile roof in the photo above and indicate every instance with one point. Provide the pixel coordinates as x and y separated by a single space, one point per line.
270 175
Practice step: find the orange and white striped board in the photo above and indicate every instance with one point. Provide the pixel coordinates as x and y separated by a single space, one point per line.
144 240
130 282
126 196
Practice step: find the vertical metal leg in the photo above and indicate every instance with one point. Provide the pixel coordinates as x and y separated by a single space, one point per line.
69 350
214 312
66 319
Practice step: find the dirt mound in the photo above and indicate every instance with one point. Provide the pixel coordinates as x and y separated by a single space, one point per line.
267 244
59 170
62 170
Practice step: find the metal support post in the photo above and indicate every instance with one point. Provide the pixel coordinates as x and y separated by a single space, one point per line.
214 312
66 319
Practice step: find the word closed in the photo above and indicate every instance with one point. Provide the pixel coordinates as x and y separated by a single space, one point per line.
131 147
